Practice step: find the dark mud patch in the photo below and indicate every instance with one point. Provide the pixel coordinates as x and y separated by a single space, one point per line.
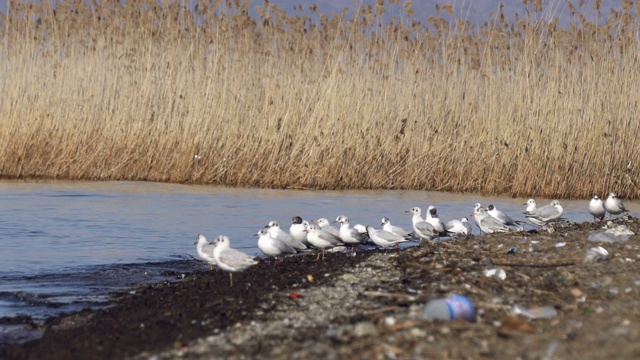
170 314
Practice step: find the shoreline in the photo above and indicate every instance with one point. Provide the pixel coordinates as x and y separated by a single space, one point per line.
370 305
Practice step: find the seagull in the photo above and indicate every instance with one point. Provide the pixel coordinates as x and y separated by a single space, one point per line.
487 223
325 225
476 207
349 235
596 208
384 238
456 227
466 224
285 237
531 205
230 260
544 215
386 226
421 228
271 246
433 219
297 230
321 239
502 217
614 205
205 251
361 228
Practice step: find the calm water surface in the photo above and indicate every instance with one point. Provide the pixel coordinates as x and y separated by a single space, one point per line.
65 245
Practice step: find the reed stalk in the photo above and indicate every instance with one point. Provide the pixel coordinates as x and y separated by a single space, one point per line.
155 91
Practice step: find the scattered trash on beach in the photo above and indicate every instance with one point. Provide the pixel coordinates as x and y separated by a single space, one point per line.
596 254
544 312
497 273
451 308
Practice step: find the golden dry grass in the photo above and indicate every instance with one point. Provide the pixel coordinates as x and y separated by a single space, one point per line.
134 91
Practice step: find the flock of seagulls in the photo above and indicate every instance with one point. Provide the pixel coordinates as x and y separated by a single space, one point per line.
321 235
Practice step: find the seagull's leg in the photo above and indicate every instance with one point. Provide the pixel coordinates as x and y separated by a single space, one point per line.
230 279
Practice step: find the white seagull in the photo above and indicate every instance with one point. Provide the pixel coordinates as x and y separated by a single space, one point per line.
614 205
321 239
596 208
387 226
205 251
285 237
297 230
433 219
325 225
271 246
466 224
384 238
349 235
476 207
542 216
230 260
456 227
502 217
421 228
487 223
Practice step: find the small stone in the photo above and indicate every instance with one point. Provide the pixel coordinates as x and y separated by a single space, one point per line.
349 278
366 328
389 321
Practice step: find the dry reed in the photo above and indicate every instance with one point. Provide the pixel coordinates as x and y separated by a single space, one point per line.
135 91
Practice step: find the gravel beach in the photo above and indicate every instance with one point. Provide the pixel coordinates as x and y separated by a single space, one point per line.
370 305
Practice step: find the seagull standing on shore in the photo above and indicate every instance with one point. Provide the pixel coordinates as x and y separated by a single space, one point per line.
386 226
205 251
456 227
271 246
544 215
297 230
487 223
502 217
421 228
321 239
614 205
596 208
285 237
230 260
325 225
384 238
433 219
466 224
349 235
476 207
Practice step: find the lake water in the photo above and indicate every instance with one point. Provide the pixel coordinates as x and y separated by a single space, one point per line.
65 245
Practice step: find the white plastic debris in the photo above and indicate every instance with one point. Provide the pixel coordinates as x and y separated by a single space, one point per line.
497 272
544 312
596 254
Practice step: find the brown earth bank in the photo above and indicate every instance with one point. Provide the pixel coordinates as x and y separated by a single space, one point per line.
371 306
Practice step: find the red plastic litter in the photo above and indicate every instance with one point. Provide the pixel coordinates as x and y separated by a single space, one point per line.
295 295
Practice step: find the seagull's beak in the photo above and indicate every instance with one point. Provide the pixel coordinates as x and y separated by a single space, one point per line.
195 242
407 211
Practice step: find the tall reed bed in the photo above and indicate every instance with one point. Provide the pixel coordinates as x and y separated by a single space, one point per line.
160 92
